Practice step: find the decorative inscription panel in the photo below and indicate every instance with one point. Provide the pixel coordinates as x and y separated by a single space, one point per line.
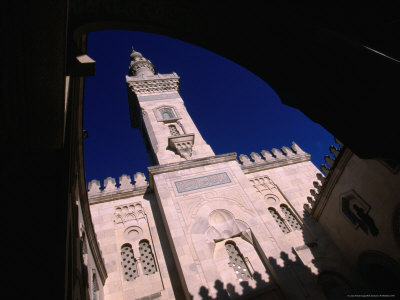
202 182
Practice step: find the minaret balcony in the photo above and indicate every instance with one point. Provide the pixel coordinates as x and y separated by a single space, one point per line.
182 144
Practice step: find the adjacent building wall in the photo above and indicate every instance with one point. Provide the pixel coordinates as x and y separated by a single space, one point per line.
376 189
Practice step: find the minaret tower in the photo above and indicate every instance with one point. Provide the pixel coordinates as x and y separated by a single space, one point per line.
157 109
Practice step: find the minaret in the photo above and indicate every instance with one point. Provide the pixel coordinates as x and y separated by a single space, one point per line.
157 109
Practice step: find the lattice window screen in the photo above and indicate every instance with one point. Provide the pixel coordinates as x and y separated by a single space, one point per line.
290 218
173 130
237 263
279 220
147 258
129 263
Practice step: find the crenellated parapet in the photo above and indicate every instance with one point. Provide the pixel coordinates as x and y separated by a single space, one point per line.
113 189
272 159
322 180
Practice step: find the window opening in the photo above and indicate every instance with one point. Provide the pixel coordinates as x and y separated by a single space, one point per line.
290 218
173 130
147 258
129 263
237 263
167 114
279 220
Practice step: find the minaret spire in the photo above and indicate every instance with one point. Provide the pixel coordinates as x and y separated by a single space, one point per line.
139 65
157 108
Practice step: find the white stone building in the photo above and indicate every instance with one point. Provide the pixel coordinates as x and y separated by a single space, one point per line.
206 226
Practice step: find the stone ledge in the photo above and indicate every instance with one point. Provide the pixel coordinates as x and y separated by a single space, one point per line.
199 162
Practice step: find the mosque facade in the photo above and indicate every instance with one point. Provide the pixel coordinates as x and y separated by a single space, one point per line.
206 226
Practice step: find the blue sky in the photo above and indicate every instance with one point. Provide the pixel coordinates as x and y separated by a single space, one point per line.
234 110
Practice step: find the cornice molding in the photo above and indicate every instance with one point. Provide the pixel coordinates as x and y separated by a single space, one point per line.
199 162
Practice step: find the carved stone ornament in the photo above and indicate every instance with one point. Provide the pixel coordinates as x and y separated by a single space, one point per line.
136 65
223 225
182 144
154 86
263 184
128 213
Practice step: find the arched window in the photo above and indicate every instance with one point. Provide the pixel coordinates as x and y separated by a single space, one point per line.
166 113
236 262
128 262
290 218
173 130
147 258
279 220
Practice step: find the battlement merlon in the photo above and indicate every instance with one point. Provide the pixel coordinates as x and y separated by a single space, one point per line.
112 192
319 195
273 159
147 88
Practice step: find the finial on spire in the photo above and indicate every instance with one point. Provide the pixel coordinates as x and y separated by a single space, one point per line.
140 65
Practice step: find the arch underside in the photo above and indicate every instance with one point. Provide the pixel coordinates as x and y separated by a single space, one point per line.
310 57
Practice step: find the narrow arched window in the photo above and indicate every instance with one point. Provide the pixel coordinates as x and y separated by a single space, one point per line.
129 263
236 261
290 218
147 258
166 113
173 130
279 220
